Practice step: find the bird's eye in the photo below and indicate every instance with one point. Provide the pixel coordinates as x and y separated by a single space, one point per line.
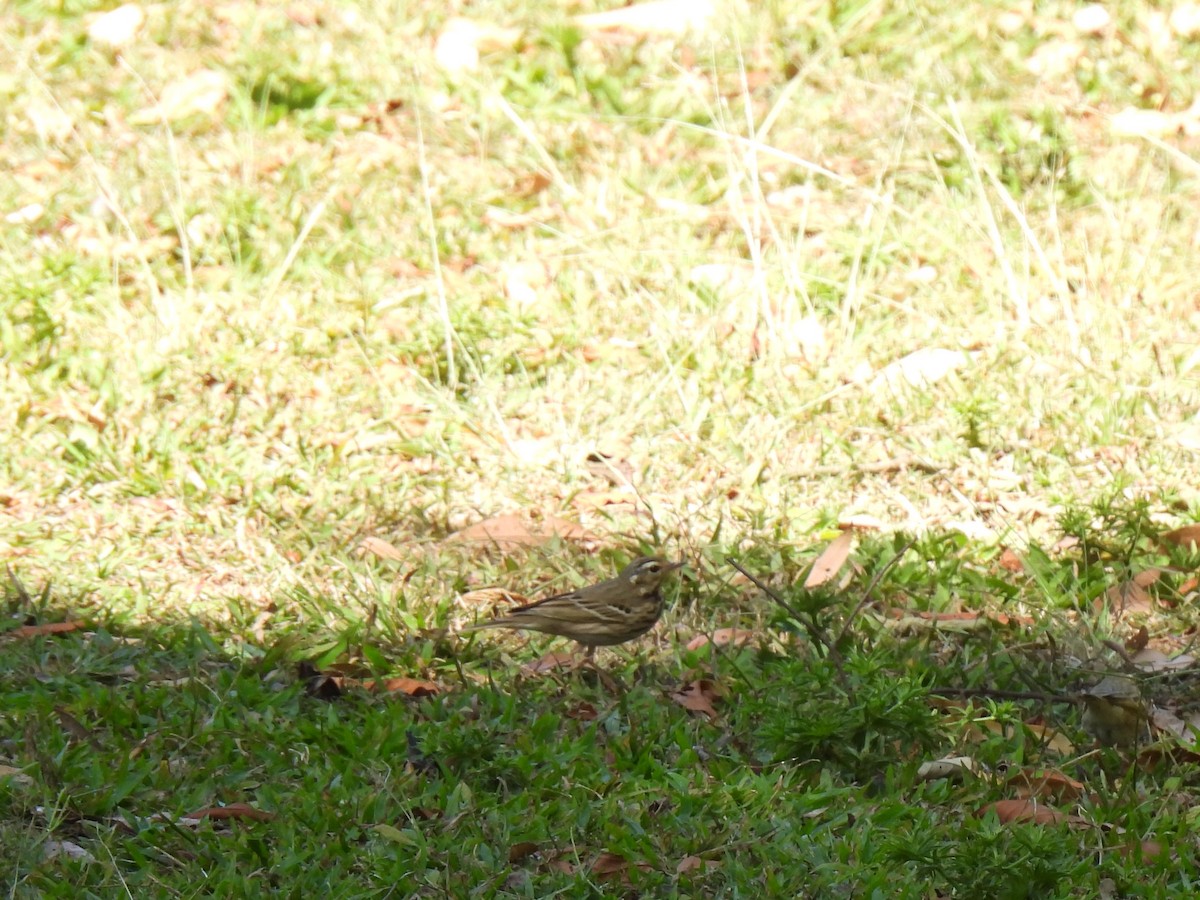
653 568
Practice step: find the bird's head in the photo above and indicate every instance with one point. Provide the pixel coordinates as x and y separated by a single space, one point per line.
648 572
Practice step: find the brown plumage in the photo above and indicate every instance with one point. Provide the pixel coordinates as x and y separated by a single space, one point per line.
600 615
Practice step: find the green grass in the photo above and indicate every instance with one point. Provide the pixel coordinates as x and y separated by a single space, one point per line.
362 299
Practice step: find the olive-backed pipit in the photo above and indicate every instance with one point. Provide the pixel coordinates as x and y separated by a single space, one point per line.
599 615
1114 712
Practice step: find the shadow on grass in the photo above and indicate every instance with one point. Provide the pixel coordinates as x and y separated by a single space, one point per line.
157 760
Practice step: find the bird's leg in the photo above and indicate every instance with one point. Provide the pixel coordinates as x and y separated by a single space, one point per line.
611 684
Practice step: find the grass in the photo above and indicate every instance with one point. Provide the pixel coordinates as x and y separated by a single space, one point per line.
266 356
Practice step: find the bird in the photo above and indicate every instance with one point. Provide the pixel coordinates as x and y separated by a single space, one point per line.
610 612
1114 712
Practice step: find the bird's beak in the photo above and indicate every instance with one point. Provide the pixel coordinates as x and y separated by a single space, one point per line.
669 567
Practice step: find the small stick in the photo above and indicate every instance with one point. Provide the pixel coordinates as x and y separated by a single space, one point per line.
808 622
870 587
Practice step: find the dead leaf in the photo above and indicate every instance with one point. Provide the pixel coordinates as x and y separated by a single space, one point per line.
117 27
582 711
560 864
410 687
198 94
1147 851
521 851
1051 738
689 864
609 866
657 18
921 368
380 548
69 849
1010 561
957 622
76 729
952 767
1167 722
29 631
15 776
512 221
863 522
1147 123
551 662
513 531
317 683
1137 641
232 811
1092 19
462 40
1008 811
595 499
1153 660
1045 784
722 637
26 215
692 863
1129 597
697 697
831 560
1185 20
1188 536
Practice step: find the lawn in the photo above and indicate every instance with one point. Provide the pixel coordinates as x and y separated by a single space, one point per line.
318 321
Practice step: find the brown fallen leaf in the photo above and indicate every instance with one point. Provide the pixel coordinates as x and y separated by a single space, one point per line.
551 662
1051 738
1131 596
521 851
595 499
462 40
1045 784
656 18
560 864
76 729
697 697
317 683
117 27
1137 641
722 637
410 687
513 531
29 631
609 866
1188 536
1010 561
201 93
831 560
921 368
689 864
962 622
15 776
232 811
1165 721
582 711
1008 811
1151 659
381 548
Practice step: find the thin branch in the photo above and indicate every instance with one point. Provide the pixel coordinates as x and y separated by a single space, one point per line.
808 622
870 587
